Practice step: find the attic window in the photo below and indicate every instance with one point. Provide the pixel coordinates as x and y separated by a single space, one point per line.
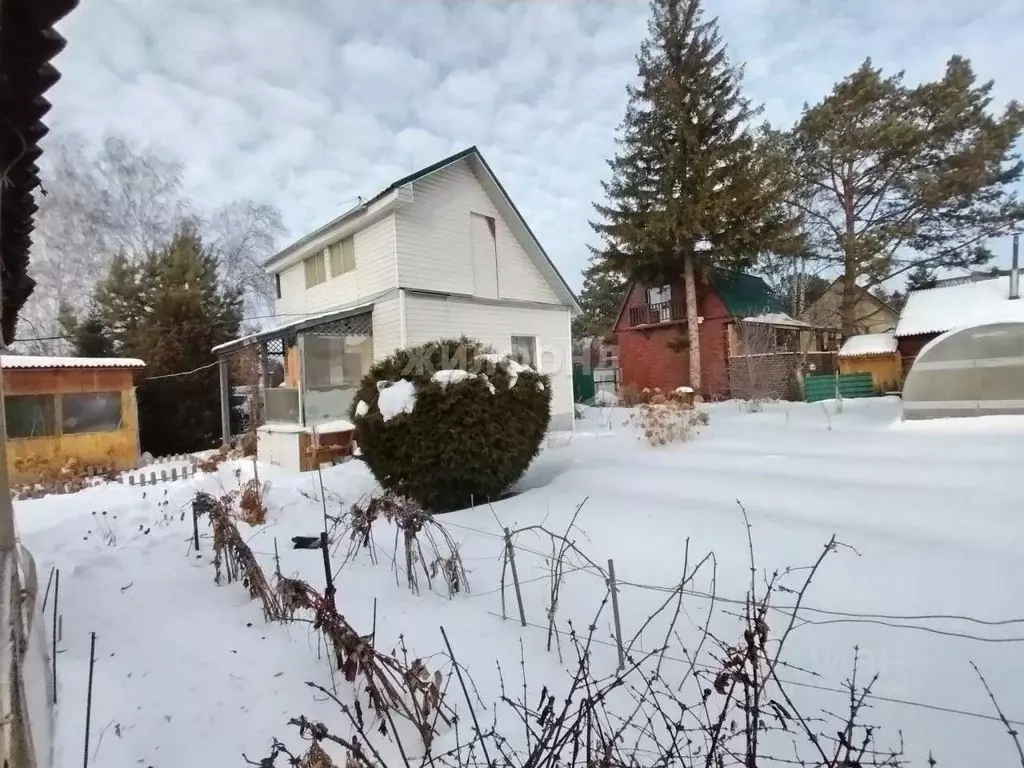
277 285
343 256
316 270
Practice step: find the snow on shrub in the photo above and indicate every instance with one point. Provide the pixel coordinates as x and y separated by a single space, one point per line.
395 397
605 399
448 425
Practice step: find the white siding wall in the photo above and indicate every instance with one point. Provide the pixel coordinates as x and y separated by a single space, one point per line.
435 242
429 317
387 327
374 273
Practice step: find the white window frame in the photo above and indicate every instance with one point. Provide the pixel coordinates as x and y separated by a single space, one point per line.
320 272
345 250
534 362
659 294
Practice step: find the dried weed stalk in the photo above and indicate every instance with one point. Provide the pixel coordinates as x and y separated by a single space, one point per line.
72 476
393 685
665 422
232 557
413 528
565 558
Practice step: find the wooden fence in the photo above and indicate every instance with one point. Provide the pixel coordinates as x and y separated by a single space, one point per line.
846 384
152 478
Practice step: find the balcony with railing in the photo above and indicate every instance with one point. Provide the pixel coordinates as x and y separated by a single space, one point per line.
671 311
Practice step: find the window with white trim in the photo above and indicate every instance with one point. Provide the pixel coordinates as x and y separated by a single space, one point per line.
316 269
524 350
343 256
659 294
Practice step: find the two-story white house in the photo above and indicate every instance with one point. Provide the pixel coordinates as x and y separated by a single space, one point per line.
441 253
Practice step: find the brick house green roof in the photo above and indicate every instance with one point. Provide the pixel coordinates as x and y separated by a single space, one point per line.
744 295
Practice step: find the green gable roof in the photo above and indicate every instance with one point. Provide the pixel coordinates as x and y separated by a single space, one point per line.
744 295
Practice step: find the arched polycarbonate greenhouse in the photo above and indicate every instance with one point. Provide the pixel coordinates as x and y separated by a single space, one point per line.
970 372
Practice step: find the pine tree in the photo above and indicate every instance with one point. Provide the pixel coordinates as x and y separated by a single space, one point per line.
691 189
170 311
120 303
894 178
601 298
88 336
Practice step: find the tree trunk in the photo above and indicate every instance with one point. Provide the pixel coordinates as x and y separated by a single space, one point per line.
798 293
848 306
851 256
692 325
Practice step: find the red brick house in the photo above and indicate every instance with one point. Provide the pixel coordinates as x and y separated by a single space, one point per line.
652 324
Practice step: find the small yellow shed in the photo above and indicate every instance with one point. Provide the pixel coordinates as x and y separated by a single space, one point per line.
69 410
873 353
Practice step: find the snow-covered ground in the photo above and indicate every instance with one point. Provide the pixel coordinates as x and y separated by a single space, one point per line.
930 513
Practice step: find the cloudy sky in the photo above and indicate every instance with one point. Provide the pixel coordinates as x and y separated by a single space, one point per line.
309 103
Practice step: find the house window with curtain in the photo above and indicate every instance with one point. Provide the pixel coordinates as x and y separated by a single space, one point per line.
524 350
316 270
343 256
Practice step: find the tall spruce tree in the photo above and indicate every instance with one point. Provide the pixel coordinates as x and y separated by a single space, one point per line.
602 296
690 189
88 335
894 179
120 303
170 311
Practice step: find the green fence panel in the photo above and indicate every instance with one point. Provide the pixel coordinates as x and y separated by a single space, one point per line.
850 385
582 384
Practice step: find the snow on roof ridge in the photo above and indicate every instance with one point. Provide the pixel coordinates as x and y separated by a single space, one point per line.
47 361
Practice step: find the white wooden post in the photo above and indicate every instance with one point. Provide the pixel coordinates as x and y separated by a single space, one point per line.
225 401
301 341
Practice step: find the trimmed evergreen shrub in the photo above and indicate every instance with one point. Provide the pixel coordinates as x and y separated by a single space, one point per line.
469 435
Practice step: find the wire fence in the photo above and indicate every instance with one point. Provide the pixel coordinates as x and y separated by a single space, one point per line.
880 619
802 616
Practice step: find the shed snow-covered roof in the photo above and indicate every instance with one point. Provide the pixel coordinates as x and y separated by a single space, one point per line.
40 361
953 307
869 344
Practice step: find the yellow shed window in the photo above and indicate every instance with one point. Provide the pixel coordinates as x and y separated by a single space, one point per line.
30 416
90 412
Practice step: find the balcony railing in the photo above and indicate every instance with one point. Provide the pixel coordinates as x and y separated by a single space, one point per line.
660 312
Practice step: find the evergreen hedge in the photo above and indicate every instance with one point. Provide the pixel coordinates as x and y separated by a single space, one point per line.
461 444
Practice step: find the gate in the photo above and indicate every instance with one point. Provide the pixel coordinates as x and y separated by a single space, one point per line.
582 384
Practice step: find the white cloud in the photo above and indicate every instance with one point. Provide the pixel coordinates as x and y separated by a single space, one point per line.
306 105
